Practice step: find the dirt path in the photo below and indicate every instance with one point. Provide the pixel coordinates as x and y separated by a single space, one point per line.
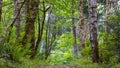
57 67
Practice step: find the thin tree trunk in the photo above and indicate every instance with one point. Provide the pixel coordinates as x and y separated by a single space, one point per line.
107 29
93 29
47 41
107 15
82 25
17 7
47 37
0 10
32 11
41 27
74 31
11 24
39 35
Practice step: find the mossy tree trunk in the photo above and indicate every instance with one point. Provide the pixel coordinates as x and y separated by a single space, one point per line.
93 29
0 10
82 25
16 10
31 14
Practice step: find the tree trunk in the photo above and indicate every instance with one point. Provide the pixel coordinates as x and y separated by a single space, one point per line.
11 24
74 31
107 28
17 7
0 10
107 15
41 27
50 35
47 37
82 25
93 29
32 11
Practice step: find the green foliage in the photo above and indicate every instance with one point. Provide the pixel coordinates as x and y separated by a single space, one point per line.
86 51
63 50
107 48
84 62
14 55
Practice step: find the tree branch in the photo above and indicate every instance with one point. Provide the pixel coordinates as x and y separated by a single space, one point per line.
12 23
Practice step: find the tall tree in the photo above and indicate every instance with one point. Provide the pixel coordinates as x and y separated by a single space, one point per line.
93 29
41 26
74 30
0 9
107 22
31 14
107 15
82 24
16 10
50 34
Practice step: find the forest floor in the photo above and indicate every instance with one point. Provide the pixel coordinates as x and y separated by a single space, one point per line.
57 67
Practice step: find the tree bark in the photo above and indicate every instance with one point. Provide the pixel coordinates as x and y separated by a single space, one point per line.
47 37
0 10
17 7
74 31
82 25
107 15
32 11
93 29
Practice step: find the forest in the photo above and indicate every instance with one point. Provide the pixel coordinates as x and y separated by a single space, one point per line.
59 33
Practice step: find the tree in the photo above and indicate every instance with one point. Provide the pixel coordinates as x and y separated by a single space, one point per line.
107 23
41 26
10 26
47 47
50 33
107 15
0 10
32 11
74 30
16 7
82 25
93 29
